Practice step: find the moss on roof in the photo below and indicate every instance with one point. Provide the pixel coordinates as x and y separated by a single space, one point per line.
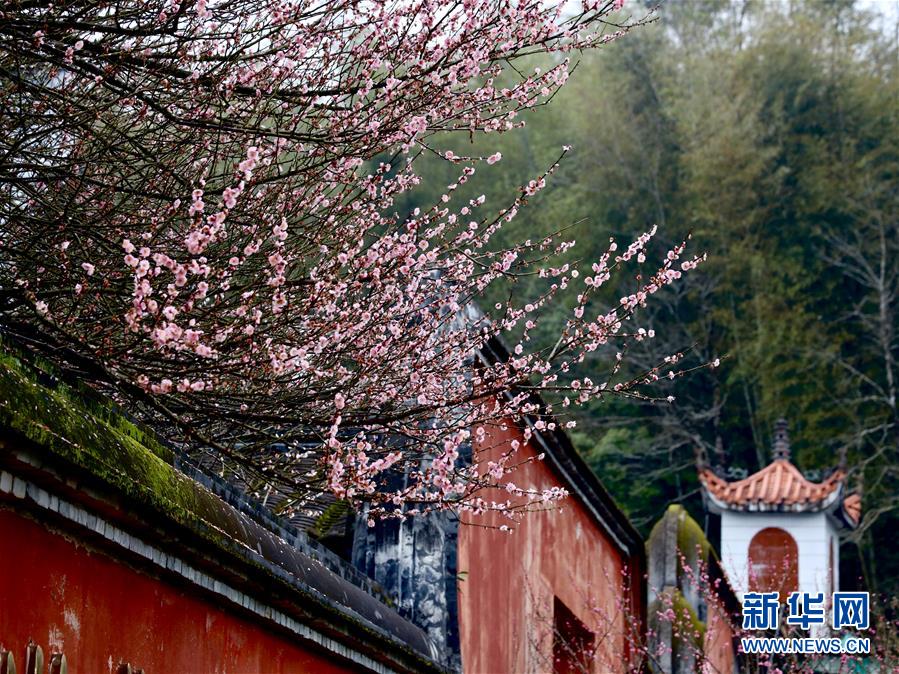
685 621
691 541
72 424
92 435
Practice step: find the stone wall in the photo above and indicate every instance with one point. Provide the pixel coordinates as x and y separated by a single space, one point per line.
413 562
692 611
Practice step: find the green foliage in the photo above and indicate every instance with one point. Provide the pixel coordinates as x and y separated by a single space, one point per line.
616 454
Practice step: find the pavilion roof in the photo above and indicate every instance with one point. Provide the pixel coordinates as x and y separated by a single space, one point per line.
781 486
780 483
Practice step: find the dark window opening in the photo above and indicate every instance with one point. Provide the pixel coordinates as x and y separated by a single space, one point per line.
572 642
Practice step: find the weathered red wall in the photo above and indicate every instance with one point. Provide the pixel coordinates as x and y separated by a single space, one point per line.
509 580
719 641
99 612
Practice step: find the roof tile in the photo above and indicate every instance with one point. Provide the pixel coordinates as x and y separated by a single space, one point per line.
778 484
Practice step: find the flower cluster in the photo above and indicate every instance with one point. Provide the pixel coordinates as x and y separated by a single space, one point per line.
199 200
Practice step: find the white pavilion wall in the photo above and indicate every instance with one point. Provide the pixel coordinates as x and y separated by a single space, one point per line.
814 535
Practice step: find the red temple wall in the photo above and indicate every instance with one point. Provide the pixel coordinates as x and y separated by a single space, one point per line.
509 581
718 645
99 611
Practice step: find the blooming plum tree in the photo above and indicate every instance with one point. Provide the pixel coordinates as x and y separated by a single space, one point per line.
197 216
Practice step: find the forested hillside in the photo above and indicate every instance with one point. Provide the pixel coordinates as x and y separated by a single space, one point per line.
770 132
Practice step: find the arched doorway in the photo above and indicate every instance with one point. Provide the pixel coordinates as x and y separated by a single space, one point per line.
773 562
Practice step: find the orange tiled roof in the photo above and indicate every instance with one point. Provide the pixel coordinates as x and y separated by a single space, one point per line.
852 504
778 484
